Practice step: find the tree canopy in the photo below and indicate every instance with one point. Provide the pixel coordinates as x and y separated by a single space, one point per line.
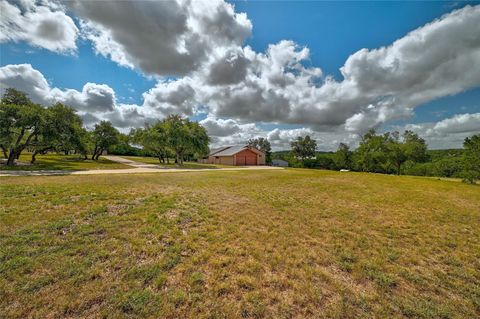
471 159
263 145
21 121
343 156
104 136
25 125
304 147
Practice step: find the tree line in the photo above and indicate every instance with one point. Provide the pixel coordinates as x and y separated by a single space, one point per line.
26 126
172 137
390 153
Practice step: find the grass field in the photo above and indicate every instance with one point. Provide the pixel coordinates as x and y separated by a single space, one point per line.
229 244
189 165
62 162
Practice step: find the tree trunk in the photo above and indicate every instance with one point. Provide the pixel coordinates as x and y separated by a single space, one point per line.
11 158
32 161
398 168
85 156
168 160
96 154
178 159
66 152
95 150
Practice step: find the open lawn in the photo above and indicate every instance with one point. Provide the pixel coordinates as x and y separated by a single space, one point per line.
228 244
62 162
189 165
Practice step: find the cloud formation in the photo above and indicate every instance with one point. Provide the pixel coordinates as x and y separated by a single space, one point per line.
379 85
95 102
42 24
201 44
161 37
98 102
461 123
449 132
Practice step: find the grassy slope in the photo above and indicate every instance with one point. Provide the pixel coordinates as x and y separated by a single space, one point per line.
190 165
278 244
63 162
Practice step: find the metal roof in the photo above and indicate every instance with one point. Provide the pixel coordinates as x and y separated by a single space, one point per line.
231 150
218 149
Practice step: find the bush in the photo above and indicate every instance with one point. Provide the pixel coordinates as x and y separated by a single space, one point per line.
470 177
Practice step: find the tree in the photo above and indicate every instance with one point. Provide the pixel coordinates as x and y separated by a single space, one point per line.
184 136
415 147
198 139
59 131
471 160
371 154
388 152
153 139
86 143
104 136
263 145
304 147
20 123
408 147
343 157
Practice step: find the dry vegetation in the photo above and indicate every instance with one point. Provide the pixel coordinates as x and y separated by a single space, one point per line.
276 244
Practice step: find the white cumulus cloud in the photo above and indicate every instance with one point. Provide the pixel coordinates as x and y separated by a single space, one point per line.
42 24
161 37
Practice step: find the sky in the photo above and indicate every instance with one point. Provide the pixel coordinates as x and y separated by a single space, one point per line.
246 69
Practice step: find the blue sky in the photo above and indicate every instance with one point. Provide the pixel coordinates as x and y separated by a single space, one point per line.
332 31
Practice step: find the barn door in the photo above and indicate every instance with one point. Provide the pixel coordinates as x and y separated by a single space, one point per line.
241 160
250 160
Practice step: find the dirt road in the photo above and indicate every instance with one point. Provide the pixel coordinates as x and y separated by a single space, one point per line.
138 167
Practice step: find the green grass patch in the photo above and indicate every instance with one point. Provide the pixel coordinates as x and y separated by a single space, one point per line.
61 162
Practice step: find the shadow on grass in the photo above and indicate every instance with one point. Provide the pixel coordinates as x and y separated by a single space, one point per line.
60 162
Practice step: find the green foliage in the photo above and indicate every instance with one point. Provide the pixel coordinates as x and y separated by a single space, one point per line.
173 136
371 155
343 157
185 137
443 163
388 152
408 147
394 153
471 172
104 136
20 123
304 147
28 126
263 145
153 139
123 147
61 131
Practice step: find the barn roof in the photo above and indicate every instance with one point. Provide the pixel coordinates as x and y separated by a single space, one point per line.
231 150
218 149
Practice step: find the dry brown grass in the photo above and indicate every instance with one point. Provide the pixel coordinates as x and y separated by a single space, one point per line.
276 244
